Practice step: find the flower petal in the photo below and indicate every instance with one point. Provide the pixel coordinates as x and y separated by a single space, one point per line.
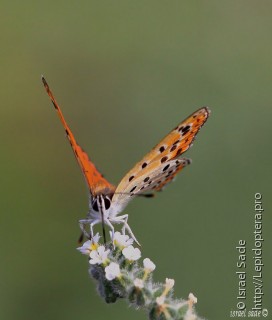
131 253
149 265
112 271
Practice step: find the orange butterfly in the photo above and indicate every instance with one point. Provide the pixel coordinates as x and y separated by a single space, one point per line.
152 173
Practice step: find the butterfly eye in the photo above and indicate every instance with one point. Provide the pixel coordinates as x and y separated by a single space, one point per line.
107 203
94 205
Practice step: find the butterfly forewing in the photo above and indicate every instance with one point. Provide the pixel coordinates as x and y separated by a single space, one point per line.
95 181
181 138
171 147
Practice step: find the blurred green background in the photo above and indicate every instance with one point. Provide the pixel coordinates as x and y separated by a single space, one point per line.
125 74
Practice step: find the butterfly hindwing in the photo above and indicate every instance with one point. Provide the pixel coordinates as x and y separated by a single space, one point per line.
170 172
151 180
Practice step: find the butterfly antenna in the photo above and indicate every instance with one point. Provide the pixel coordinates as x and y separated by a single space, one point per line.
80 239
147 195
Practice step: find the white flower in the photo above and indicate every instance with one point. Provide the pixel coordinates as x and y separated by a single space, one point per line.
149 265
169 283
189 315
192 298
138 283
99 256
112 271
89 245
86 247
131 253
121 240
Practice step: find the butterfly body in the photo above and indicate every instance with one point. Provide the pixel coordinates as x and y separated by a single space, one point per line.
152 173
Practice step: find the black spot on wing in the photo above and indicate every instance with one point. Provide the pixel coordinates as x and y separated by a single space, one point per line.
130 178
174 147
185 130
144 165
133 189
163 159
162 148
178 152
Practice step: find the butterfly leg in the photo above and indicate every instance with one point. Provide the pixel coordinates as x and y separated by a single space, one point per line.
84 222
107 222
123 219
